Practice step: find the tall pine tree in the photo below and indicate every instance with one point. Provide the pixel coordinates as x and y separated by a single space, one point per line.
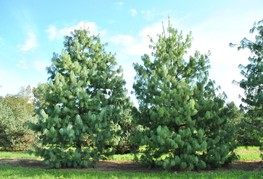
80 107
176 103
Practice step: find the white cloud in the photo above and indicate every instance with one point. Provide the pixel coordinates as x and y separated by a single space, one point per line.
148 14
118 4
41 65
138 44
22 64
122 40
54 32
215 34
30 43
133 12
10 82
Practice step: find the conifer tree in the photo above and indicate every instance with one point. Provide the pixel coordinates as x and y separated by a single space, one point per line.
164 89
252 102
80 107
217 119
172 93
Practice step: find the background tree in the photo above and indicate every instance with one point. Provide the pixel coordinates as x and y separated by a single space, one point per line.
16 112
80 107
217 118
252 83
176 107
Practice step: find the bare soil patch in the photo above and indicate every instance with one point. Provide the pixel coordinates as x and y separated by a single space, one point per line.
248 165
127 166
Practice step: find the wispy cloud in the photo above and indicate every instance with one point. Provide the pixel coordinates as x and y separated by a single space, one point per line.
30 43
54 32
40 65
138 44
22 64
122 40
133 12
118 4
148 14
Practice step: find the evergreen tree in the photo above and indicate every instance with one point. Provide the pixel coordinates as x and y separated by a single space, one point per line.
253 86
217 119
176 103
80 107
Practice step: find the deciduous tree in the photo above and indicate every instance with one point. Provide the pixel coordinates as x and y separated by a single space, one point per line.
16 112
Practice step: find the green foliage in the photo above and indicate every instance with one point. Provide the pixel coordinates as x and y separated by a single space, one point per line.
185 124
247 133
253 86
16 111
217 119
128 131
81 106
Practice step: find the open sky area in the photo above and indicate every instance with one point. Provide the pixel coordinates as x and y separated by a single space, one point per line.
31 30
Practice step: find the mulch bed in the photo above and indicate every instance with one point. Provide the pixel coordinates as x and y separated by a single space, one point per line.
127 166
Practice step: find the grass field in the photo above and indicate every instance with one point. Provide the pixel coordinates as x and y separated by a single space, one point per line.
16 155
19 172
245 153
248 153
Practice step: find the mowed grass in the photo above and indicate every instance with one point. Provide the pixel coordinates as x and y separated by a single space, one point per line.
19 172
245 153
248 153
17 155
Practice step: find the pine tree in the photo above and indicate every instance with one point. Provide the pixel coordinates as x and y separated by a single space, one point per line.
253 86
164 89
217 119
80 107
175 98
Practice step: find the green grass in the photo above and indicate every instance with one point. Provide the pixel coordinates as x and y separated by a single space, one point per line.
248 153
19 172
16 155
128 157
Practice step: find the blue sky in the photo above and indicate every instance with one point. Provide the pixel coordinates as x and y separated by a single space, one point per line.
32 30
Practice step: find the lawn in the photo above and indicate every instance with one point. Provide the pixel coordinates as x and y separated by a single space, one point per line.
19 172
16 155
246 154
